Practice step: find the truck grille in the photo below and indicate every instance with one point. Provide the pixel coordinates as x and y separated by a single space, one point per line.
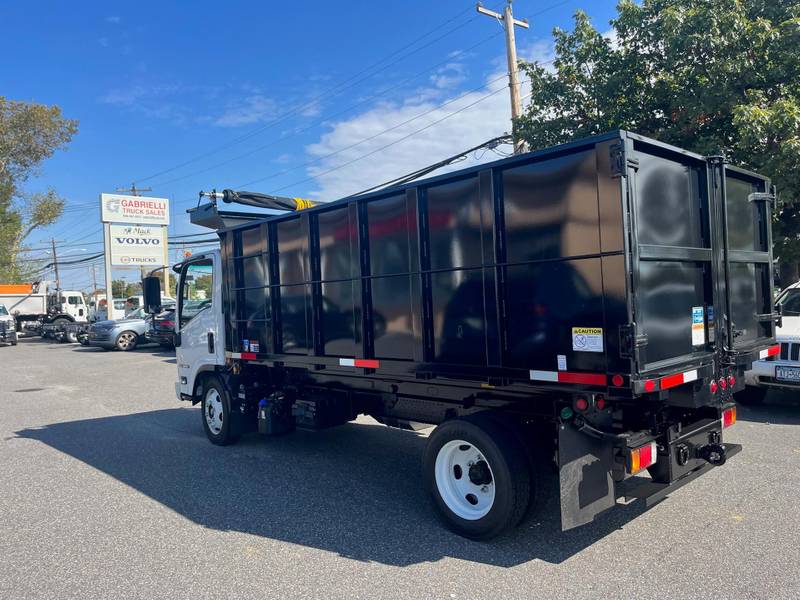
790 351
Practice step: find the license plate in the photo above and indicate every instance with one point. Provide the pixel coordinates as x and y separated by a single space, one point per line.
787 374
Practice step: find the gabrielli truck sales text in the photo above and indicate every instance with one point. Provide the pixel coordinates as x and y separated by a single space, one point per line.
154 208
134 209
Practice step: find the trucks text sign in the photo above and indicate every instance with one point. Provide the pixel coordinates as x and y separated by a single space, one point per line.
137 245
116 208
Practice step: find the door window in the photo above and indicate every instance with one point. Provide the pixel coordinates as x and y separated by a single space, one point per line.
790 303
197 287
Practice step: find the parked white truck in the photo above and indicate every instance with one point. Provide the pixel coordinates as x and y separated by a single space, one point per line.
8 327
35 303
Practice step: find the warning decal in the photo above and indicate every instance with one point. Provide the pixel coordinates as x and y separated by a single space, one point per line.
698 326
587 339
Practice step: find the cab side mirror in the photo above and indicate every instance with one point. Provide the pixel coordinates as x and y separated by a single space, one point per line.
151 289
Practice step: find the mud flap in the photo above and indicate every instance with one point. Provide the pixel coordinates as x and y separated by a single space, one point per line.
584 473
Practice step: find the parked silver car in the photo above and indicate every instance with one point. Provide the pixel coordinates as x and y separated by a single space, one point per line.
122 334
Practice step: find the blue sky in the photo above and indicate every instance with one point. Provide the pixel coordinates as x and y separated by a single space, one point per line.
309 98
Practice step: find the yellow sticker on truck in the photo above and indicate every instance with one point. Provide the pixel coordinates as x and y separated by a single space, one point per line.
587 339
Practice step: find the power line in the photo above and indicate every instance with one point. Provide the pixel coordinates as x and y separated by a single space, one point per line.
313 124
376 135
325 118
346 84
405 137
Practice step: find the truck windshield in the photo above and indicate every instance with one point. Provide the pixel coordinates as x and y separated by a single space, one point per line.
790 303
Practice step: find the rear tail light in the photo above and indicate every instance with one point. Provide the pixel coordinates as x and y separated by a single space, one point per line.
731 380
168 323
642 457
581 404
729 417
713 387
722 383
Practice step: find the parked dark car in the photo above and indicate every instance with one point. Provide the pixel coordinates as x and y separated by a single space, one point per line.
161 329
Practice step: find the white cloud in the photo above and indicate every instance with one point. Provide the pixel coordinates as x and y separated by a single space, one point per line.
448 124
251 109
134 94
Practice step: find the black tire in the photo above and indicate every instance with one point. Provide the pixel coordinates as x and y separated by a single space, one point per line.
510 474
224 436
751 396
126 341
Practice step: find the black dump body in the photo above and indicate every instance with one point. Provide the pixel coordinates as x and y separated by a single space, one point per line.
613 264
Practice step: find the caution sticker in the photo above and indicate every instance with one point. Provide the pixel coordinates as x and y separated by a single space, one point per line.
698 326
587 339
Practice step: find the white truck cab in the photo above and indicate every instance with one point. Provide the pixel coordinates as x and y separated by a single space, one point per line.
781 371
200 324
71 304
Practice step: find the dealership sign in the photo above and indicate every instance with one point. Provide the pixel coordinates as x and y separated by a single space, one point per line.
137 245
116 208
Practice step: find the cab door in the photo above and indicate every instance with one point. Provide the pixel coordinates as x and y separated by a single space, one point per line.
199 317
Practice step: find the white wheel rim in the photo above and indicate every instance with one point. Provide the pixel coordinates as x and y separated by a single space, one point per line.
461 473
213 411
125 340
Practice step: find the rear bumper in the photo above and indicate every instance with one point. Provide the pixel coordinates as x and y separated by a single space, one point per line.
652 492
763 375
594 469
159 337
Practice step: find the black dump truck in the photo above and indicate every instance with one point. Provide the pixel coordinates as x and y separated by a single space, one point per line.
589 308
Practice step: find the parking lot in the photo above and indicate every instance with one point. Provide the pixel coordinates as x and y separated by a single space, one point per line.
111 490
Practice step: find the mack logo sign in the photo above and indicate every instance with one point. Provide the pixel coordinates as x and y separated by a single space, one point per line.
137 245
134 209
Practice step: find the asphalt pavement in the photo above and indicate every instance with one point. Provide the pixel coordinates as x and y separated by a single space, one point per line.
109 489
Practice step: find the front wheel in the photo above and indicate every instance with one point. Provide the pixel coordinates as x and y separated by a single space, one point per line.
216 413
478 476
126 340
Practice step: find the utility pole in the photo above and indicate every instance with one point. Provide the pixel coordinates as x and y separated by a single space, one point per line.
58 279
133 190
508 21
94 285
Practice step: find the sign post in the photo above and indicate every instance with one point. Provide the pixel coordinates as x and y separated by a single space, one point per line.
134 235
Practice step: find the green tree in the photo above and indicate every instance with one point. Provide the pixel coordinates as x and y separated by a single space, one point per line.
711 76
29 134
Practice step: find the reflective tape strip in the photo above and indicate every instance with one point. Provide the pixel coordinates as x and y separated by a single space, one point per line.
671 381
771 351
567 377
248 356
366 363
235 354
545 376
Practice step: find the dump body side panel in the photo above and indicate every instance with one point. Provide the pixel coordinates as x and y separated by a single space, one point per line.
510 271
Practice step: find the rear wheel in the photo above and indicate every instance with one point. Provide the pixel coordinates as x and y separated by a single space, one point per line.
751 395
215 408
478 476
126 340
